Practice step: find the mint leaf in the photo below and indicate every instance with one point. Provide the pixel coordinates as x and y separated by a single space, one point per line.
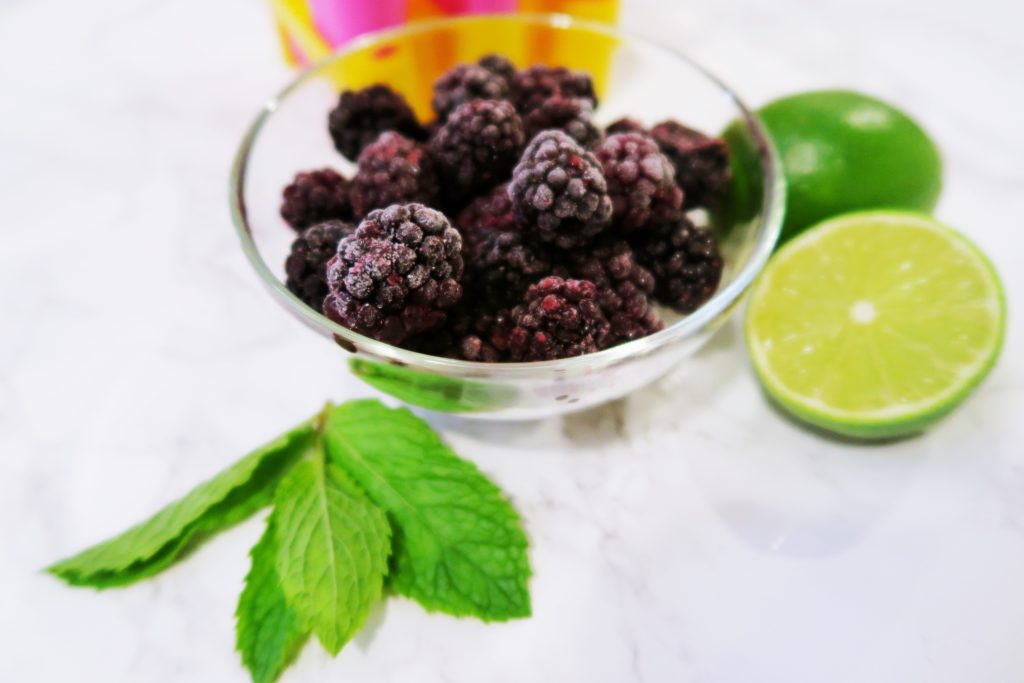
211 507
333 547
459 546
269 632
436 392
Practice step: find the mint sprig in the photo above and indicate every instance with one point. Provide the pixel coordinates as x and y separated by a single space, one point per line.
333 547
269 631
460 548
211 507
353 486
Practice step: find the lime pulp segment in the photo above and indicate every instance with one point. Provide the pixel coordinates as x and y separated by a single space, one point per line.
875 323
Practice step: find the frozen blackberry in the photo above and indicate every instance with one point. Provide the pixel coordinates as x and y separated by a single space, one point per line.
641 181
432 127
393 170
532 87
629 311
570 115
466 82
465 335
685 261
477 146
306 264
624 125
501 265
362 115
396 274
701 162
499 65
486 214
558 318
558 192
473 347
607 264
315 196
624 288
434 342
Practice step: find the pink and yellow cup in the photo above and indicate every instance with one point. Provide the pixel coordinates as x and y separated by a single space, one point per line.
312 29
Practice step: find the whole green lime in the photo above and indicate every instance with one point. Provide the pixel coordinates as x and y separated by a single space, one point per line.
844 151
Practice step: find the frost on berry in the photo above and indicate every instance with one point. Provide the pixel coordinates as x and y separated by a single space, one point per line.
571 115
558 192
701 162
316 196
685 261
362 115
624 289
477 147
465 82
392 170
531 87
397 274
306 264
558 318
641 181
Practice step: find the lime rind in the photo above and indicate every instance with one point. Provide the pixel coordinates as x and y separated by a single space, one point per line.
845 151
898 419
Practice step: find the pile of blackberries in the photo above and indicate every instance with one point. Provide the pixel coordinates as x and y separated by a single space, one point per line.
510 228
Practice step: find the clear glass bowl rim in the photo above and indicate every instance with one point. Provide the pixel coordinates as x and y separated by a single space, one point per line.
768 228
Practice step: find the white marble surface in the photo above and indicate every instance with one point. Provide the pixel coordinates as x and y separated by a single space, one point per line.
687 534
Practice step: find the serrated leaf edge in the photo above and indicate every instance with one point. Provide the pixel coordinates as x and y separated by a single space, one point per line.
123 573
493 489
355 621
296 646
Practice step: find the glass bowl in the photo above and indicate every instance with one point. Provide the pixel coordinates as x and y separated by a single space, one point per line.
633 77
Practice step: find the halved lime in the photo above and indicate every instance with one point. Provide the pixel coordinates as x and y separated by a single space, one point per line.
875 324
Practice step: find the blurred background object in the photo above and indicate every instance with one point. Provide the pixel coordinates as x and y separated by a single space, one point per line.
309 30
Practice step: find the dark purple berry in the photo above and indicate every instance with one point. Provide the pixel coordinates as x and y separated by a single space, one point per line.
531 87
465 335
559 195
684 260
558 318
624 289
477 146
498 65
570 115
316 196
625 125
500 266
362 115
393 170
641 181
701 162
473 347
306 264
629 311
466 82
607 263
486 214
396 274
